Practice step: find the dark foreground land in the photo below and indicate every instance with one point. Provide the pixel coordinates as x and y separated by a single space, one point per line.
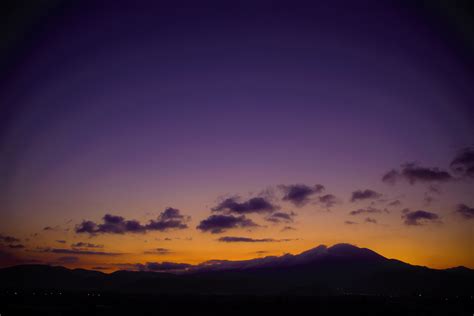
93 303
340 280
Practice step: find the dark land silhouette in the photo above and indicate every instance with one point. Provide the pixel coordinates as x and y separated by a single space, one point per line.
339 279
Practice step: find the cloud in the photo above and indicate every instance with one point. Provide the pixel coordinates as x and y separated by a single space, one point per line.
158 251
79 252
413 173
253 205
420 217
465 211
170 218
85 245
328 200
371 220
231 239
8 239
67 259
299 194
368 210
49 228
464 162
287 228
61 241
10 242
350 223
364 195
395 203
280 217
17 246
391 176
112 224
219 223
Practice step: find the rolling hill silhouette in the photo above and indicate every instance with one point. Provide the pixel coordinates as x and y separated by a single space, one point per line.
337 270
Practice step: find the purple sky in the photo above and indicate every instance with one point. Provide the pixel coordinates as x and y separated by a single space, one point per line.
131 108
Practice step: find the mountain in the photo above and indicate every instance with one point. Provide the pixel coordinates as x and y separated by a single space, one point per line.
337 270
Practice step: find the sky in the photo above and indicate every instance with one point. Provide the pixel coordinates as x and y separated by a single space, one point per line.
150 132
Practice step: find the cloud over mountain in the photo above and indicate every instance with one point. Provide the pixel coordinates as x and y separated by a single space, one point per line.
420 217
367 210
168 219
216 224
281 217
300 194
231 239
79 252
465 211
463 162
253 205
414 173
8 239
364 195
328 200
158 251
85 245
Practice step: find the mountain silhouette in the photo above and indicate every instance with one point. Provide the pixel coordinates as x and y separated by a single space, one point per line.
337 270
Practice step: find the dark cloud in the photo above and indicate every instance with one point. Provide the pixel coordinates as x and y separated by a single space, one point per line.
395 203
50 228
231 239
17 246
414 173
328 200
171 214
350 223
371 220
287 228
416 218
299 194
464 162
85 245
8 239
61 241
79 252
281 217
112 224
253 205
368 210
391 176
465 211
170 218
67 259
219 223
158 251
364 195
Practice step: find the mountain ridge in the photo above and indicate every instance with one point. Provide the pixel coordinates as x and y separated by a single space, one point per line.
322 270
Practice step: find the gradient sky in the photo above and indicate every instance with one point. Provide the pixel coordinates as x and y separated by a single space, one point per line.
132 108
